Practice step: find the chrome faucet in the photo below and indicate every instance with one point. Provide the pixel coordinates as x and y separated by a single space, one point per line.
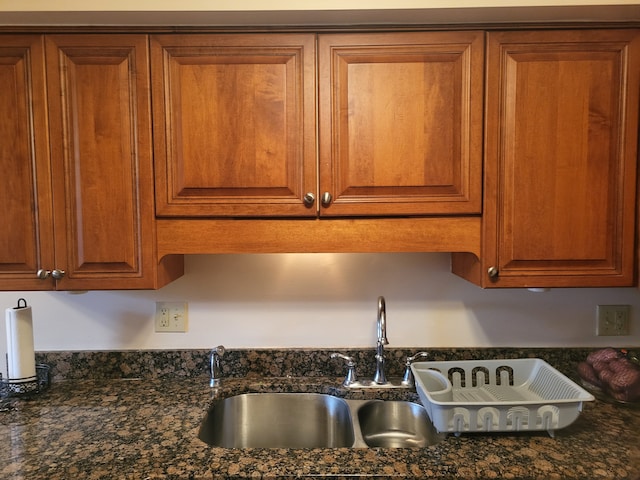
214 363
380 378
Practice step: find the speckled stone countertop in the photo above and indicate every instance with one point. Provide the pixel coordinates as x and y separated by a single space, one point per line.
147 428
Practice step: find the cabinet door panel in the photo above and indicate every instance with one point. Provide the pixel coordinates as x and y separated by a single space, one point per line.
26 235
235 124
101 156
561 157
401 123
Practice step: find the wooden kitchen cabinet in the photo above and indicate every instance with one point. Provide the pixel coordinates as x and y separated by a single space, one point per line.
26 228
560 160
401 123
234 124
522 155
101 156
84 213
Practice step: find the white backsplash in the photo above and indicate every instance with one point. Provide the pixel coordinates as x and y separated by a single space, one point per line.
324 301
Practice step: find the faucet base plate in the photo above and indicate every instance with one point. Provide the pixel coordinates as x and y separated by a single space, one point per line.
392 383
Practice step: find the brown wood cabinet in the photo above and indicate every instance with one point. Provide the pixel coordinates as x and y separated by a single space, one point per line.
560 160
319 142
234 124
400 127
26 222
401 123
83 210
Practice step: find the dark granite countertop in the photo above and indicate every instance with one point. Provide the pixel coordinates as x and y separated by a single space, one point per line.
147 429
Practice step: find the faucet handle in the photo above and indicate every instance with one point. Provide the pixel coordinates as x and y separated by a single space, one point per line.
214 364
351 376
407 378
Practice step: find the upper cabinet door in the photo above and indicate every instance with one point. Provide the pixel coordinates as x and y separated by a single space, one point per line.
100 117
234 124
401 123
561 154
26 225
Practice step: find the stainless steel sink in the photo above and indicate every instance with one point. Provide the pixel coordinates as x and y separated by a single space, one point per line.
315 420
396 424
278 420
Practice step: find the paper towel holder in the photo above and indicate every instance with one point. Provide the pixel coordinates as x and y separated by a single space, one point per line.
27 389
26 384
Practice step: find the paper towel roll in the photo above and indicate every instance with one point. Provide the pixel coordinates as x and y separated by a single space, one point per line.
21 360
3 353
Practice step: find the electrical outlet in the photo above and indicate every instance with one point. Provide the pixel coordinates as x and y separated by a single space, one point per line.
171 316
613 320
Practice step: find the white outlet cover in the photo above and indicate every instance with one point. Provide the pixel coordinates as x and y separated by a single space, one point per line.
171 317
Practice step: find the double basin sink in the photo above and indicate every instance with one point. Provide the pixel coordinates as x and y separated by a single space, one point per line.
315 420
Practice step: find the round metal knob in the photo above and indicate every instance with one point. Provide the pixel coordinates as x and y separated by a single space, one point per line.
326 199
493 272
309 199
43 274
58 274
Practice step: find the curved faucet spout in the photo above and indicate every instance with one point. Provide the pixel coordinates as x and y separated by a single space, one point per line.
382 321
380 377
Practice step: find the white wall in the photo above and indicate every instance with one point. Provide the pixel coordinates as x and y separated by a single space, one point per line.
324 300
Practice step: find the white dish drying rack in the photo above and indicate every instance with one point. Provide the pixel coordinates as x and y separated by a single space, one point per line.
497 395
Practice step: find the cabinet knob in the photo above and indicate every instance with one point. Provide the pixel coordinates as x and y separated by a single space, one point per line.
309 198
57 274
326 199
43 274
493 272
